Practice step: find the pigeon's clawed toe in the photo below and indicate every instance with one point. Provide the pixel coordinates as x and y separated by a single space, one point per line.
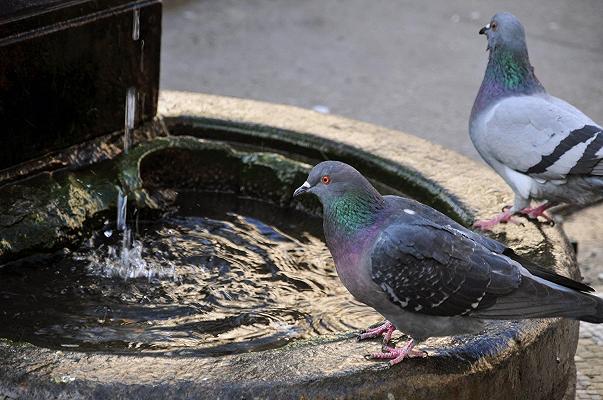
506 216
397 354
386 330
534 212
502 218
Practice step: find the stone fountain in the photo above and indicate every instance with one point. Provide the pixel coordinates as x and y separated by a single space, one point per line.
64 334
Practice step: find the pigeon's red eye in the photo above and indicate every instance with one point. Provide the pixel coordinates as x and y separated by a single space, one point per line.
493 26
326 179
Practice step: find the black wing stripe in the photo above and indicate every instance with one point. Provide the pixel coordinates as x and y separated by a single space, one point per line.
574 138
589 160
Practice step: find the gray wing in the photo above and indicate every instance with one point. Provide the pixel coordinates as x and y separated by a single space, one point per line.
495 246
544 137
428 269
434 216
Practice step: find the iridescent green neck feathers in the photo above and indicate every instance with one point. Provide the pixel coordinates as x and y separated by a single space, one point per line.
352 211
510 69
509 73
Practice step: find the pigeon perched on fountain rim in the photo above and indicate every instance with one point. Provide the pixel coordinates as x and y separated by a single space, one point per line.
543 147
427 274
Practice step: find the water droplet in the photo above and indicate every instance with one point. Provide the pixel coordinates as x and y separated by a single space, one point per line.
321 109
67 378
108 233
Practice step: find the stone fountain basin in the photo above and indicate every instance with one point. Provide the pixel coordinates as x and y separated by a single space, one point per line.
509 360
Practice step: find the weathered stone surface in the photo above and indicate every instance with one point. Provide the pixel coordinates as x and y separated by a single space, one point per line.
193 164
436 176
326 368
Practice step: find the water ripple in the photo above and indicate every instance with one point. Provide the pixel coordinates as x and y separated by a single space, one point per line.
221 282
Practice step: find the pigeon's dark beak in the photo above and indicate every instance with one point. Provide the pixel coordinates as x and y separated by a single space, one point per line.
484 31
302 189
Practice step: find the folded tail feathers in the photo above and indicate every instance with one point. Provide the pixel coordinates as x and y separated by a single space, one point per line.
580 303
550 276
540 298
597 316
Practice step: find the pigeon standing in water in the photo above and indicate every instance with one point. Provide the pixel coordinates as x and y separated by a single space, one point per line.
543 147
426 274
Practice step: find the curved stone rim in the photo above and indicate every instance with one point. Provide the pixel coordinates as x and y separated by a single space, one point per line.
311 368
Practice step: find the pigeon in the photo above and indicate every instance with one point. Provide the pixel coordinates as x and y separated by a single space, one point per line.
544 148
427 274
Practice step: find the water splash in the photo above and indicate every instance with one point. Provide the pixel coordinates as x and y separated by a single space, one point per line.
249 277
126 260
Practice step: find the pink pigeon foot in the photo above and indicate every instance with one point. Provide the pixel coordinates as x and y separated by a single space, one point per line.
386 330
535 212
396 355
502 218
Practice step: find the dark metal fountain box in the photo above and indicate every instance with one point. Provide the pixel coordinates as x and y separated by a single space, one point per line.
65 68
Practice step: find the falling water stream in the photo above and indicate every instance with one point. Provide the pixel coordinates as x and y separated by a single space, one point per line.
127 261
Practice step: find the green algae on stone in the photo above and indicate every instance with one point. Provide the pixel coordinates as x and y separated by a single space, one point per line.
49 210
197 164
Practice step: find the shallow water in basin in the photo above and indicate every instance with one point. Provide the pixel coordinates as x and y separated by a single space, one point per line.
247 279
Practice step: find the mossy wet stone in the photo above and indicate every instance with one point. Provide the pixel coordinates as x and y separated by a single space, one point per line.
187 163
47 211
50 210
